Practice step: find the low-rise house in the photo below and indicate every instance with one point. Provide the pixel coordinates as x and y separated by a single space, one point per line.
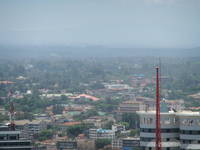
65 125
66 145
2 111
83 97
130 143
116 144
56 95
118 127
130 106
49 144
117 86
101 134
30 128
86 144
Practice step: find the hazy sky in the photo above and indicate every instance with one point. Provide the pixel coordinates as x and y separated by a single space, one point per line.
136 23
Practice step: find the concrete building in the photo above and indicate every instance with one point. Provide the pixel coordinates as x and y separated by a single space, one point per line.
189 130
10 140
118 127
117 86
179 130
145 103
130 143
130 106
86 144
66 145
117 144
169 129
30 128
150 104
101 134
39 147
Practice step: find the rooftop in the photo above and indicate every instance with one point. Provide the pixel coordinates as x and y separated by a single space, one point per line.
180 113
71 123
104 131
151 112
87 96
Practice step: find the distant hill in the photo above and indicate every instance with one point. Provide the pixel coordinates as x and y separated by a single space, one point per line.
19 52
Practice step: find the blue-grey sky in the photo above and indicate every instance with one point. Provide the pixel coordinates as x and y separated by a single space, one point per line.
135 23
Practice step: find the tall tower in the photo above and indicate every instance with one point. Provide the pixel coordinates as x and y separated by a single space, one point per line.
12 113
158 130
12 121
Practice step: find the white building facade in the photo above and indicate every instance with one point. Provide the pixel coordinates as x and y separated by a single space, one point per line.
189 130
179 130
169 129
101 134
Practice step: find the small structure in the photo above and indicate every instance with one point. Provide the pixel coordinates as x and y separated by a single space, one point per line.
130 143
130 106
30 128
117 144
66 145
101 134
86 144
118 127
82 97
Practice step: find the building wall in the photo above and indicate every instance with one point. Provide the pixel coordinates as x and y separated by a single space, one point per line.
169 129
178 130
190 132
101 134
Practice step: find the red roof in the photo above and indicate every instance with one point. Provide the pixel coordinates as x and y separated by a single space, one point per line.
6 82
71 123
88 97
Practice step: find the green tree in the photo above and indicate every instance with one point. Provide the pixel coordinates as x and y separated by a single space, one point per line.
100 143
3 117
58 109
45 135
131 118
134 132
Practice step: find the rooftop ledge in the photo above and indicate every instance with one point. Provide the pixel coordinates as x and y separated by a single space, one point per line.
180 113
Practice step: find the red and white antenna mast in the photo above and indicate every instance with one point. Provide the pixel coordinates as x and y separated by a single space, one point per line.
158 129
12 113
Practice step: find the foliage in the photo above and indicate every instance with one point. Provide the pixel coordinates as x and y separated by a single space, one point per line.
58 109
100 143
87 114
3 117
80 75
108 125
108 105
75 130
132 119
45 135
126 124
134 132
24 115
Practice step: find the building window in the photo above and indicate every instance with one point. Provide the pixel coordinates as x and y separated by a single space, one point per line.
149 120
166 121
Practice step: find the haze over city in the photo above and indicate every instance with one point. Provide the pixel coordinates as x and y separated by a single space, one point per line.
99 74
113 23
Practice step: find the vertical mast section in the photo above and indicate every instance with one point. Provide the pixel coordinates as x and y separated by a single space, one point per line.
158 130
12 113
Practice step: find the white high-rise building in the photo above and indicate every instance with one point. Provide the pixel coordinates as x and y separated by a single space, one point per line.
169 130
189 130
179 130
